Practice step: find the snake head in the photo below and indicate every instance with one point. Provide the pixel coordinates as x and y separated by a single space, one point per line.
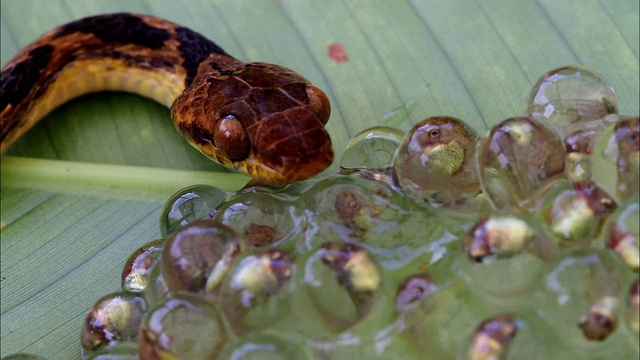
260 119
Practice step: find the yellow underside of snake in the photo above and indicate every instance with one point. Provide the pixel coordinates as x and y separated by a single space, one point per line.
263 120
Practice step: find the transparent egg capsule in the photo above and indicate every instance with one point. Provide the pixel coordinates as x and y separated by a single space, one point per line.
197 256
622 232
580 288
347 206
508 256
254 294
372 149
156 288
436 161
263 219
633 309
268 346
413 290
505 235
433 316
601 320
570 94
115 317
137 267
493 337
519 158
616 159
183 327
579 143
188 205
574 212
342 281
121 350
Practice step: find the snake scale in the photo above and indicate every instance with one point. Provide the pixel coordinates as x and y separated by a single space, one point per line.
260 119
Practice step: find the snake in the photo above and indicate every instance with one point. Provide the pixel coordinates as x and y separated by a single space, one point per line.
260 119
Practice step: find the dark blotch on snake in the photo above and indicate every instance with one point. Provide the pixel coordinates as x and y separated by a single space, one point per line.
118 28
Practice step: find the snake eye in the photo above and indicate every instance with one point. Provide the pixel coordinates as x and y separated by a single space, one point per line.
434 133
231 138
319 103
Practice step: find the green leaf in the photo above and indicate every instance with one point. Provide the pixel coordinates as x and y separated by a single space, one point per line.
85 187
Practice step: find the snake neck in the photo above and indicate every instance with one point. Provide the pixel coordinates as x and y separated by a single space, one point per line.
141 54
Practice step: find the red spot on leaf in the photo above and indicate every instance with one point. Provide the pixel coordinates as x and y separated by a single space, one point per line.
337 53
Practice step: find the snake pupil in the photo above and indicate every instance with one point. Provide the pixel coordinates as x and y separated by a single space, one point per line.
231 138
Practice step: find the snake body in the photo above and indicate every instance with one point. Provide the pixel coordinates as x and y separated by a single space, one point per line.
260 119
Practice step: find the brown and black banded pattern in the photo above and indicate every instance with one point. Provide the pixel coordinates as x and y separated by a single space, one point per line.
261 119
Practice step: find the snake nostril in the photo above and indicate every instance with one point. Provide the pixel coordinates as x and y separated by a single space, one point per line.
231 138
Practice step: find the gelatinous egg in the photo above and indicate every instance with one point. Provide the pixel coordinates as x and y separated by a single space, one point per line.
253 296
518 159
342 281
198 255
506 235
372 149
121 350
183 327
264 219
570 94
621 232
574 212
579 288
114 317
268 346
493 337
617 157
413 290
436 161
601 320
156 288
188 205
579 143
509 255
137 267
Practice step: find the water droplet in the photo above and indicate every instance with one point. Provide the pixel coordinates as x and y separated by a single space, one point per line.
137 267
570 94
372 149
519 158
182 327
254 295
114 317
198 255
342 281
188 205
436 161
